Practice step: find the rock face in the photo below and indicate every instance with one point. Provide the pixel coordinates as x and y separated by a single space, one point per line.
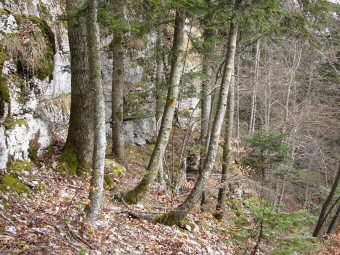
35 103
25 116
35 81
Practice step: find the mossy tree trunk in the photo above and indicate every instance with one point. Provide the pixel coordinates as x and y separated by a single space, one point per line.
227 154
136 194
178 214
118 85
97 179
79 144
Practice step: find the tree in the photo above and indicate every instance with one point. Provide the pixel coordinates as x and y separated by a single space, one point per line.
136 194
227 153
118 83
208 49
179 213
78 150
326 204
93 44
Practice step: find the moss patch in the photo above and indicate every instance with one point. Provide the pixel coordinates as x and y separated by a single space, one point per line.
19 166
49 152
10 123
113 171
70 161
11 182
34 146
45 28
4 91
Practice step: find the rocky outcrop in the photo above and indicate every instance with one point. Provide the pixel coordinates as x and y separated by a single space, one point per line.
34 72
35 81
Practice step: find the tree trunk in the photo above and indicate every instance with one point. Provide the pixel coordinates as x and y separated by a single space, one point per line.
255 87
118 86
334 219
159 74
136 194
79 142
327 202
208 36
93 40
178 214
158 94
227 154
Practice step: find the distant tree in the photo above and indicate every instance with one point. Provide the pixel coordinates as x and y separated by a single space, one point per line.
267 148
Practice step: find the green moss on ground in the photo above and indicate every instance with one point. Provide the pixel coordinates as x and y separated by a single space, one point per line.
49 152
18 166
113 171
11 182
70 161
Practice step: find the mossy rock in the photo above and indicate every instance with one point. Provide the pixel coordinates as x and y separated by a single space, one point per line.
11 123
188 225
4 90
10 182
4 12
37 56
113 171
18 166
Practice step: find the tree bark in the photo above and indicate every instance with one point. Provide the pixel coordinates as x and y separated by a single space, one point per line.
227 155
327 202
179 213
208 36
255 87
136 194
334 219
80 133
118 86
97 180
158 94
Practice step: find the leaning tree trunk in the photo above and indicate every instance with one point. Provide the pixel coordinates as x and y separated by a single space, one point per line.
135 195
93 42
327 202
179 213
79 142
227 154
118 86
334 219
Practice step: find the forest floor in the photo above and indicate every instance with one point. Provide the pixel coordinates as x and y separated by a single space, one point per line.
50 219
